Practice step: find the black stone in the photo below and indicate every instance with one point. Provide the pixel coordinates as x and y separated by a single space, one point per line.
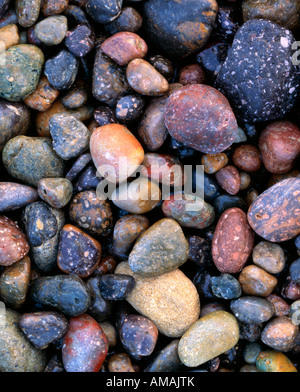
212 59
202 283
226 22
224 202
211 188
104 11
75 15
81 162
295 271
100 308
252 310
200 251
129 108
104 115
167 360
116 287
87 180
4 4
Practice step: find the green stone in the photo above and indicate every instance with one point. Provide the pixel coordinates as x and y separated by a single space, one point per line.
20 68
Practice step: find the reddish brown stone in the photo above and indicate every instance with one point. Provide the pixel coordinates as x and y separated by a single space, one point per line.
256 281
279 145
13 242
200 117
214 162
43 96
120 363
124 47
275 214
247 158
280 334
281 307
191 74
229 179
290 290
84 345
107 265
53 7
232 241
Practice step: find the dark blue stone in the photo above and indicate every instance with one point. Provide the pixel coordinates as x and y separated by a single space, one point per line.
116 287
225 286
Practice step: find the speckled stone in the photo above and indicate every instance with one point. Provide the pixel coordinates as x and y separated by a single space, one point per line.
164 66
225 286
43 328
256 281
214 162
23 65
52 30
17 353
207 338
280 334
167 360
53 7
275 362
129 108
75 97
66 293
100 308
57 192
27 11
229 179
191 74
14 196
128 20
14 283
250 331
14 245
120 362
251 309
43 96
170 300
78 253
216 126
160 249
87 180
281 307
30 159
179 27
246 157
79 165
104 11
259 78
116 287
104 115
80 40
84 345
269 256
91 213
9 36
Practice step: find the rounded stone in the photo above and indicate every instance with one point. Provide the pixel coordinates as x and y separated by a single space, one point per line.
269 256
9 36
27 12
29 159
84 345
103 11
75 97
214 162
212 335
120 362
294 270
110 333
57 192
251 352
191 74
80 40
200 117
256 281
160 249
280 305
43 96
129 108
167 360
164 66
14 196
251 309
229 179
17 353
280 334
169 300
53 7
247 158
100 308
225 286
128 20
275 362
20 76
52 30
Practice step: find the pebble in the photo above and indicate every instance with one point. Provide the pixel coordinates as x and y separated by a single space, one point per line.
290 289
250 331
124 47
160 249
110 333
57 192
67 294
103 11
23 67
169 300
27 12
275 362
167 360
195 346
129 108
43 96
14 196
225 286
116 164
189 211
212 59
164 66
17 353
214 162
245 181
294 270
9 36
91 213
29 159
79 165
116 287
61 70
251 352
53 7
14 245
251 309
191 74
84 345
225 202
216 126
274 215
14 283
145 79
107 265
246 157
126 230
120 362
10 16
43 224
137 197
52 30
280 334
87 180
138 335
280 305
199 250
80 40
256 281
233 241
128 20
99 308
211 188
104 115
229 179
43 328
259 78
4 5
279 145
75 97
269 256
173 24
78 253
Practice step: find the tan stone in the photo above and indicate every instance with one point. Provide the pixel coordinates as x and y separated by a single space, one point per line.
9 36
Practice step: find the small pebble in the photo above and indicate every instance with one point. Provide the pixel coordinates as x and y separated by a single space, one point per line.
57 192
280 305
280 334
274 361
43 96
251 352
214 162
99 308
251 309
80 40
269 256
229 179
116 287
256 281
52 30
247 158
225 286
9 36
14 196
129 108
53 7
103 11
75 97
120 362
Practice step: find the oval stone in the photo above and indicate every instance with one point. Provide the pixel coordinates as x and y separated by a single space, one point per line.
14 196
274 361
251 309
280 334
256 281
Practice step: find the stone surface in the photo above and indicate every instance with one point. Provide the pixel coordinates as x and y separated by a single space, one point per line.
225 286
251 309
275 362
129 108
229 179
53 7
256 281
167 360
246 157
160 249
57 192
128 20
269 256
116 287
75 97
280 334
14 196
120 362
191 74
214 162
110 333
207 338
99 308
43 96
27 11
52 30
280 305
103 11
80 40
170 300
9 36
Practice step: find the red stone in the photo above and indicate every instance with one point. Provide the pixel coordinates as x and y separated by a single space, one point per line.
247 158
229 179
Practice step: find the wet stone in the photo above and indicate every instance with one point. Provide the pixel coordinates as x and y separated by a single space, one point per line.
100 308
14 196
280 334
43 96
225 202
66 293
84 345
80 40
110 332
212 59
167 360
295 271
104 11
160 249
70 136
129 108
57 192
211 188
245 181
87 180
199 250
247 158
9 36
27 11
79 165
14 283
226 22
14 245
104 115
191 74
274 361
120 362
61 70
116 287
214 162
76 15
53 7
202 283
164 66
4 4
268 89
52 30
256 281
225 286
128 20
78 253
229 179
250 331
91 213
43 328
269 256
138 335
23 67
9 18
75 98
251 309
107 266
